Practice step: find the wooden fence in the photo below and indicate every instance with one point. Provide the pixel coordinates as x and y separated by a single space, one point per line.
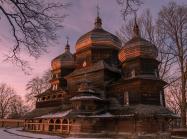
11 123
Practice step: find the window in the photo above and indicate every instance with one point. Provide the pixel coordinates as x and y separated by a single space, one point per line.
161 99
48 97
133 73
156 74
65 125
148 68
55 87
126 98
57 126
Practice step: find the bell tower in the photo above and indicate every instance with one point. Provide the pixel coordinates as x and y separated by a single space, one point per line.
62 66
140 71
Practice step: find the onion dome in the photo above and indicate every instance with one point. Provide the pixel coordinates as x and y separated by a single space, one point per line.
97 37
65 60
137 47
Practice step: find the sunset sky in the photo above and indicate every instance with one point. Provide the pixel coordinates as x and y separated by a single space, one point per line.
81 18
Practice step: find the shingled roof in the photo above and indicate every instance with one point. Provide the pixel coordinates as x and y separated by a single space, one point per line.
141 110
41 111
95 67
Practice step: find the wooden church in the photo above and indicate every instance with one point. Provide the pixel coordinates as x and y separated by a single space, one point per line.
103 89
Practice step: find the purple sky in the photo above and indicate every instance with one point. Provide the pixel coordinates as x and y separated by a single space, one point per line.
80 20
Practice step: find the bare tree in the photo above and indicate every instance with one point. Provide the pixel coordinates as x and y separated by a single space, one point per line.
37 85
33 23
6 96
129 7
173 97
172 23
47 76
17 108
34 87
149 31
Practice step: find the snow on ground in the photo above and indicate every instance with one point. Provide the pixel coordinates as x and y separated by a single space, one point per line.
16 133
56 115
4 135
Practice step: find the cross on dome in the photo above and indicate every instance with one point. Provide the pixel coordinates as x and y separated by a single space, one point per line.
136 31
67 48
67 38
98 21
98 8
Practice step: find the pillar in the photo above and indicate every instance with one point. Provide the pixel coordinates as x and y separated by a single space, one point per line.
61 124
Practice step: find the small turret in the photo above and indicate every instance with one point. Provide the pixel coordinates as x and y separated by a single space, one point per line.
137 47
65 60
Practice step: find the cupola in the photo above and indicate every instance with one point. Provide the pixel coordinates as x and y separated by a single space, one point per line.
137 47
65 60
97 37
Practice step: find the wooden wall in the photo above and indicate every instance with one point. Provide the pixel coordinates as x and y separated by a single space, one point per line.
96 80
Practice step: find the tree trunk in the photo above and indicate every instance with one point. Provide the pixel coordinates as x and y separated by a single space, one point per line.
183 108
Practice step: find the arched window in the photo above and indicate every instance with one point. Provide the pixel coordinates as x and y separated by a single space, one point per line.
65 121
55 87
65 125
51 121
57 124
51 125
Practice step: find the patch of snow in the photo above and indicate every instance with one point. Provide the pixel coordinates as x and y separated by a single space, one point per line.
56 115
5 135
16 133
85 97
107 115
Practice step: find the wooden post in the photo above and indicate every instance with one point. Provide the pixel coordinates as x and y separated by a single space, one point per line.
54 127
68 125
61 125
